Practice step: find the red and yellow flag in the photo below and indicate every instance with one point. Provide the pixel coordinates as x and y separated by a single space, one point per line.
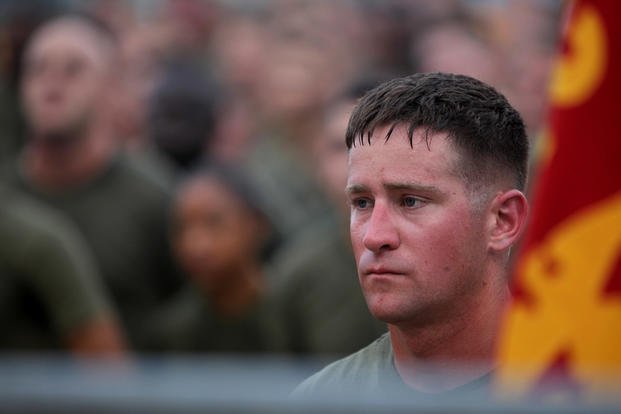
562 333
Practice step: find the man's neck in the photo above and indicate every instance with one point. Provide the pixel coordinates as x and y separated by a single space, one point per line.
448 354
76 162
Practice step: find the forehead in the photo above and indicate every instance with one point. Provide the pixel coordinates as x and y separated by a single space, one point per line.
208 191
430 158
68 37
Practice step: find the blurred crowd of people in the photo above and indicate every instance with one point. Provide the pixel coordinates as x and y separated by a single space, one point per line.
173 170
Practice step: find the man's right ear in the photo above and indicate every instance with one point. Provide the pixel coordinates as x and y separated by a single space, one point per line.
509 211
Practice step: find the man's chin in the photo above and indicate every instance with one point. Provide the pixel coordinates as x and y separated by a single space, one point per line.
385 311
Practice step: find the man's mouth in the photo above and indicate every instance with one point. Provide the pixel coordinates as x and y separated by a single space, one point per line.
381 270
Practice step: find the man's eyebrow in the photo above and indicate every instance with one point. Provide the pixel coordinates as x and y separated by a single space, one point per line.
356 189
411 187
396 186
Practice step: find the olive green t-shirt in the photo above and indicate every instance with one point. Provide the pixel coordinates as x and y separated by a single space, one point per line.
371 373
190 325
49 285
123 215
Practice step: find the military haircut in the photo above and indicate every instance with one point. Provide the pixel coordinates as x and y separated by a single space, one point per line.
486 130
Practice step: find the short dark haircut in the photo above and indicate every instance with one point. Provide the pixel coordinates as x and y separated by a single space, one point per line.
485 129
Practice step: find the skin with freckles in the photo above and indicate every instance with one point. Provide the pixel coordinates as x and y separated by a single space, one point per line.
432 254
418 243
437 162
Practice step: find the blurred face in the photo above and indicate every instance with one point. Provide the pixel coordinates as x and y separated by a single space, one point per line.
66 69
419 244
297 80
239 51
450 49
214 232
331 153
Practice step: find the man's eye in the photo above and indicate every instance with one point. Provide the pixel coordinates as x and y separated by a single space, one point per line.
361 203
411 202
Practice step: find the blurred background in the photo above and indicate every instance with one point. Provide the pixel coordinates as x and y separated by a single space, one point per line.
172 177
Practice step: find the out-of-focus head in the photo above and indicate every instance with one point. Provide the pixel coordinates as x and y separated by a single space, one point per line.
239 48
454 45
217 229
482 126
68 69
297 80
329 146
182 114
190 23
331 153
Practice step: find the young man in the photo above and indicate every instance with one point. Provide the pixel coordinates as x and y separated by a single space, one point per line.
72 162
437 165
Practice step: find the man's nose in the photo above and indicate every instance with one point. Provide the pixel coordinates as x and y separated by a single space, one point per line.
381 232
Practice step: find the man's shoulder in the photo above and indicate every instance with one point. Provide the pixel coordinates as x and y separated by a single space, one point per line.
144 173
359 371
33 223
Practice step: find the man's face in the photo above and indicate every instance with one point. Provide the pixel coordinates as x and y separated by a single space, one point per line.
65 73
418 242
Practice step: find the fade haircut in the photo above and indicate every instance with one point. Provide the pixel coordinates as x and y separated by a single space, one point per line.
486 130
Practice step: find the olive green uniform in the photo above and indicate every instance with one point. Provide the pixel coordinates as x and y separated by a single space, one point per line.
190 324
49 285
123 215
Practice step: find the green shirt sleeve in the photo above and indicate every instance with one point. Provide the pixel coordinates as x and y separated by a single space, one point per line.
47 251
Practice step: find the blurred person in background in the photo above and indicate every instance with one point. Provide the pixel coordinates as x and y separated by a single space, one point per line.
329 150
528 53
387 27
183 115
456 44
218 234
297 82
320 304
190 25
72 162
51 294
18 19
298 76
437 166
238 52
310 263
509 45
